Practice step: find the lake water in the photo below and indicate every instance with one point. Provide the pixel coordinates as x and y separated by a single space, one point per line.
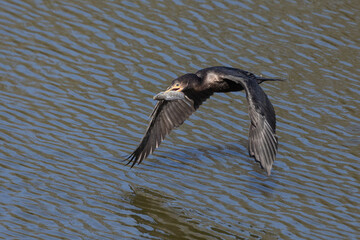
77 81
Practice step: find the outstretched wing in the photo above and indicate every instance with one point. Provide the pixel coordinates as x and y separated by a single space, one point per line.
166 116
263 141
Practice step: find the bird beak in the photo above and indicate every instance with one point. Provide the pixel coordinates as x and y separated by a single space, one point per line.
178 88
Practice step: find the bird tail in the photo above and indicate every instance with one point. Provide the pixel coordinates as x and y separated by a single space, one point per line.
261 79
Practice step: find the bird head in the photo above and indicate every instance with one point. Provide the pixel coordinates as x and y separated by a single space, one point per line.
176 86
187 81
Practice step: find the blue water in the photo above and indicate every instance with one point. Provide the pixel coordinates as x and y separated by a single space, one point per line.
77 81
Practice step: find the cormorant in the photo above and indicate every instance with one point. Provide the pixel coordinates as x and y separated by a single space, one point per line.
189 91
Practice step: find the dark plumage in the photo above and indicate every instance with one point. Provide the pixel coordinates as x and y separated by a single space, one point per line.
173 109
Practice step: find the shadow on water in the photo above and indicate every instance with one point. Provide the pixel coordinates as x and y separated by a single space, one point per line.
155 217
158 217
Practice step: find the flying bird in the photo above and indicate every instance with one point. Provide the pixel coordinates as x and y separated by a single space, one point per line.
186 93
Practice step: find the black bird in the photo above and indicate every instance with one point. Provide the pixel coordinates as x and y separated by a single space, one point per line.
189 91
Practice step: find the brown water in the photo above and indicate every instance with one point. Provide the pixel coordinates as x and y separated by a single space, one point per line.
77 80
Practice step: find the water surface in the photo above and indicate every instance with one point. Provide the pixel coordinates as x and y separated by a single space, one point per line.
77 81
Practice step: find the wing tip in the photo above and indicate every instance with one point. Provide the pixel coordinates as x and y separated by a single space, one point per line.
265 163
268 169
131 160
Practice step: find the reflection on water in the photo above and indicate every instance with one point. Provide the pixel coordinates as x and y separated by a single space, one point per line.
77 80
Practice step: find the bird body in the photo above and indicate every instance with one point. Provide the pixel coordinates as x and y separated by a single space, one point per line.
189 91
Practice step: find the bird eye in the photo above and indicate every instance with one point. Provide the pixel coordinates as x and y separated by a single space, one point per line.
176 85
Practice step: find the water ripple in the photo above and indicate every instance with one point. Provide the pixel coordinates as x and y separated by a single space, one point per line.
77 80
